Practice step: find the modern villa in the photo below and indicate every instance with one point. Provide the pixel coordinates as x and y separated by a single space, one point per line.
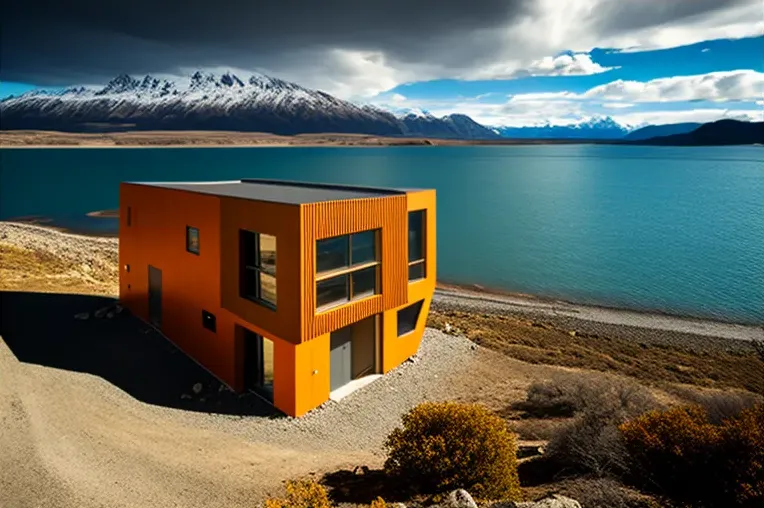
295 291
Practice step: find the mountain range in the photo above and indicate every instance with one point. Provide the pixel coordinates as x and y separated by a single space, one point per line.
218 102
206 101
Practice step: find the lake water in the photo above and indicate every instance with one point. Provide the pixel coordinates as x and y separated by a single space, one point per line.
677 230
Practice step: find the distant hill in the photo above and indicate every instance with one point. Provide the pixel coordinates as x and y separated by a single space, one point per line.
454 126
654 131
595 128
721 132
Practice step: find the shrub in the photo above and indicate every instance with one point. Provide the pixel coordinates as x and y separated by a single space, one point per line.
719 405
378 503
607 493
591 443
681 454
302 494
568 394
446 446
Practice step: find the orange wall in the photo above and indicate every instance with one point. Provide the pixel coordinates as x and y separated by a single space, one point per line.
329 219
190 282
282 221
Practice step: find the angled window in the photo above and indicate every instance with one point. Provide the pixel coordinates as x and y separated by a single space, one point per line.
209 321
192 240
347 268
408 317
257 260
417 247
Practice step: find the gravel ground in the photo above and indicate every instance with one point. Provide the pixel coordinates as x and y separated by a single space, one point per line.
686 333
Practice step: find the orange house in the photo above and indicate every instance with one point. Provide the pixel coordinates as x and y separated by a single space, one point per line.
295 291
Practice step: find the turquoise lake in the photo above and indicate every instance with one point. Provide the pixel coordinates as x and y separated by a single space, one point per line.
675 230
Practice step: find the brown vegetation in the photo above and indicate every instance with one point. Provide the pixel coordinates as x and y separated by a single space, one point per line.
446 446
543 343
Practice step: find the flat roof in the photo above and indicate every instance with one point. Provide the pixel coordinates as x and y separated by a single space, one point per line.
279 191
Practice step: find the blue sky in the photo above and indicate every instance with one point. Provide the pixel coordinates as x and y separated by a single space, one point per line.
696 82
502 62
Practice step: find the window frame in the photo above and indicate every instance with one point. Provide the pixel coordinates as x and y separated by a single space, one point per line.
423 260
348 271
256 269
198 250
420 305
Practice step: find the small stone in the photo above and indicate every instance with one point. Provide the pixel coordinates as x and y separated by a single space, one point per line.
118 309
109 315
101 312
82 315
221 388
460 498
185 396
448 328
572 333
197 388
473 347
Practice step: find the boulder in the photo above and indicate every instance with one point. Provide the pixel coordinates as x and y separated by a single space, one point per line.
460 498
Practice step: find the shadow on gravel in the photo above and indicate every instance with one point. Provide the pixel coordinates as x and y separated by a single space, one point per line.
40 328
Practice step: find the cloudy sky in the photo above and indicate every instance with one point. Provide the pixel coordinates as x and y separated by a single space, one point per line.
502 62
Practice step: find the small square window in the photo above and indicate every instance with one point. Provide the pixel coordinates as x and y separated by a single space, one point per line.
208 321
192 240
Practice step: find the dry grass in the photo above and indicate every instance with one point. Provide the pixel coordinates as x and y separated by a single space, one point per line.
541 343
40 271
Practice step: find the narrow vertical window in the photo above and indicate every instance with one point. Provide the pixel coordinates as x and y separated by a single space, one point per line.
192 240
417 247
258 267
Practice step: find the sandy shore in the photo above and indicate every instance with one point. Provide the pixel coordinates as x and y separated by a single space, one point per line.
211 139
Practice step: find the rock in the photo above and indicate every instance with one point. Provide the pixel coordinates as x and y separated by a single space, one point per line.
82 315
473 347
222 388
572 333
118 309
448 328
460 498
553 501
413 359
101 312
197 388
109 315
185 396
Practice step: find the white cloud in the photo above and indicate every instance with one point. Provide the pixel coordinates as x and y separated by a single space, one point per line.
577 64
617 105
740 85
397 98
705 50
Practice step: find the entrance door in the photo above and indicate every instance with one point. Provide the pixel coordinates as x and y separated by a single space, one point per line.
341 358
155 296
258 364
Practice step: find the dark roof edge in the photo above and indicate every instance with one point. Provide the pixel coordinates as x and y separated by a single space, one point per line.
294 183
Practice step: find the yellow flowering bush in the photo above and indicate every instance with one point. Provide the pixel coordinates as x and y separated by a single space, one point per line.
445 446
302 494
679 453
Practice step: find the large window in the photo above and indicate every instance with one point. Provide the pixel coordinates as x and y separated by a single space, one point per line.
417 248
347 268
258 267
408 317
192 240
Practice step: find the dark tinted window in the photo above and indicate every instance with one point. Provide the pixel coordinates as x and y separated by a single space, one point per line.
408 317
208 321
332 253
364 247
364 282
416 235
416 271
192 240
332 291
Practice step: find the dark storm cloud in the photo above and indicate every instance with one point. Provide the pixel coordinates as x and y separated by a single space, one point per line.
53 43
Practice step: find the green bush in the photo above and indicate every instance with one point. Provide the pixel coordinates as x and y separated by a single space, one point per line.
679 453
445 446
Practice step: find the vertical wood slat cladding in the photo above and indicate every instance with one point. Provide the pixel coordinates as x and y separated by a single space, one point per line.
335 218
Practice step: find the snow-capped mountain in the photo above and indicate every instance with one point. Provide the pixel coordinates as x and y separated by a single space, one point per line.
419 123
594 128
203 101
